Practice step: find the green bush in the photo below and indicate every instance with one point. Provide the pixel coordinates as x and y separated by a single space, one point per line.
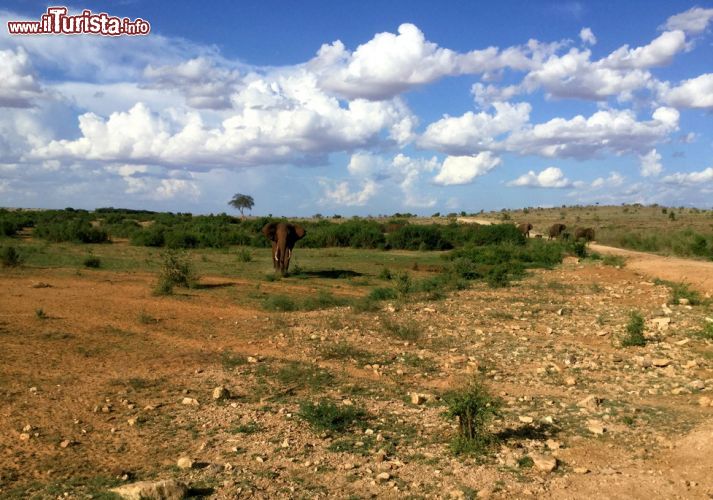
10 257
244 255
325 415
408 330
75 230
279 303
382 293
473 407
91 261
634 331
176 270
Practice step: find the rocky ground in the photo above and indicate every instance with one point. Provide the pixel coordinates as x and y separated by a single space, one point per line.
116 386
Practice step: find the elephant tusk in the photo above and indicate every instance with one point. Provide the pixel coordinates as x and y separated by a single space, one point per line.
289 253
276 256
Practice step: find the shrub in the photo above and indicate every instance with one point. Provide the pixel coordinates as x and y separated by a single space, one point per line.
473 407
403 283
91 261
634 331
10 257
683 291
382 293
385 274
176 270
76 230
325 415
403 331
244 255
279 303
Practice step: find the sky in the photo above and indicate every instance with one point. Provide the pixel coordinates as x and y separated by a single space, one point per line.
361 108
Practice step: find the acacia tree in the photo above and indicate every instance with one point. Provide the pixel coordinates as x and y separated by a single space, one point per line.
241 202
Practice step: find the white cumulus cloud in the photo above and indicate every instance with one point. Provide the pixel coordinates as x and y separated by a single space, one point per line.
694 20
693 93
587 36
650 164
19 87
463 169
551 177
690 178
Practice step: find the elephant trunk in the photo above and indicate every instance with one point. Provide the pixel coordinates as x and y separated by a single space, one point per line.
284 259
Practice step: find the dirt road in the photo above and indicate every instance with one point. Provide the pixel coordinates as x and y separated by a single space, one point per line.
698 274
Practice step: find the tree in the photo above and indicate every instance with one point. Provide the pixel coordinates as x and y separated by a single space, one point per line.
241 202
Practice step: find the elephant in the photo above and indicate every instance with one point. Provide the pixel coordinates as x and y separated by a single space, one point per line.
283 236
584 232
525 228
556 230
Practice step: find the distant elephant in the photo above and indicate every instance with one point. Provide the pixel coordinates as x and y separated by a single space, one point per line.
525 228
283 237
584 232
556 230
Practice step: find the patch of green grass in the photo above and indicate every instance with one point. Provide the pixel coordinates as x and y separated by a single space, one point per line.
382 293
473 407
244 255
298 374
362 445
230 360
634 331
326 415
385 274
525 462
706 331
249 428
344 350
422 364
614 260
681 291
404 330
403 283
279 303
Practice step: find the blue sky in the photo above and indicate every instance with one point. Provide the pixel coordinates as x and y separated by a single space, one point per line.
361 107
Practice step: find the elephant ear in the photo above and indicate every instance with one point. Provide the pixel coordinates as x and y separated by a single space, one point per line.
269 231
299 231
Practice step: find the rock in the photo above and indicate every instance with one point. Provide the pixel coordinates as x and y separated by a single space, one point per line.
185 463
190 401
24 436
41 284
456 493
553 445
220 393
570 381
697 385
485 493
683 301
544 463
596 427
253 359
132 421
152 490
383 477
65 444
590 402
525 419
660 362
705 401
419 399
661 324
581 470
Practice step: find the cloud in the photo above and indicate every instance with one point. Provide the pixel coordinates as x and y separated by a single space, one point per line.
587 36
575 76
463 169
340 194
390 64
551 177
615 179
693 93
200 80
692 21
402 170
284 120
611 131
690 178
474 132
19 87
650 164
